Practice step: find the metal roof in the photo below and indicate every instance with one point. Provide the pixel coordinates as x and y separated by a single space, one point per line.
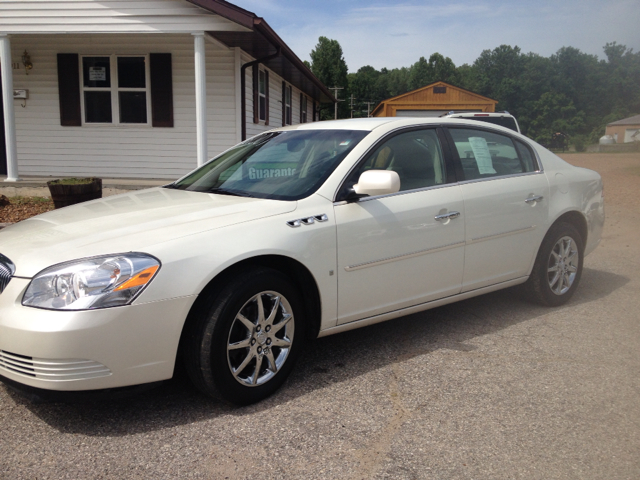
635 120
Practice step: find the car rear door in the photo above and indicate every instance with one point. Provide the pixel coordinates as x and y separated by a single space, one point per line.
400 250
506 205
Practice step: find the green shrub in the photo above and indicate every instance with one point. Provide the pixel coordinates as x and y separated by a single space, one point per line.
580 143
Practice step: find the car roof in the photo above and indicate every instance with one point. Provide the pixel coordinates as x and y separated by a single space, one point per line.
371 124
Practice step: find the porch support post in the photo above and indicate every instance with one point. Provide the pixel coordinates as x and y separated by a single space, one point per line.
9 116
201 97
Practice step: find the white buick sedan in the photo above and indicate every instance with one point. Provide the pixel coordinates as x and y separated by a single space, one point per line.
297 233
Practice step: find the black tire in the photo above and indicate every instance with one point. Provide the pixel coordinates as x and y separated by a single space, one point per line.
550 287
218 342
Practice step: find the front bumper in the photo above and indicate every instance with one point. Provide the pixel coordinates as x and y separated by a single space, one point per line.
88 350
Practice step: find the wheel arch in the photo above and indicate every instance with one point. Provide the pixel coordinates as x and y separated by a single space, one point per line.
578 220
296 271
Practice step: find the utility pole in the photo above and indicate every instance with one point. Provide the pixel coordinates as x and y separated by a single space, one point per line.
352 99
335 94
369 108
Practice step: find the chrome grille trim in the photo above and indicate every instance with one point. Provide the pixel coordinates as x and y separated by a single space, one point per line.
7 269
52 370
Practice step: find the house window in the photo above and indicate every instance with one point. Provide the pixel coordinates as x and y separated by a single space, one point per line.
115 89
262 94
303 108
287 104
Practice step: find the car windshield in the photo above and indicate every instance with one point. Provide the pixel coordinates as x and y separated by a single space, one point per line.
286 165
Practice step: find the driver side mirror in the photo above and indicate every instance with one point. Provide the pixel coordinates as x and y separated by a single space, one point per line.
377 182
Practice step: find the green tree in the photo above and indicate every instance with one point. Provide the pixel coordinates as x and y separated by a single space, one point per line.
554 113
497 76
365 87
328 64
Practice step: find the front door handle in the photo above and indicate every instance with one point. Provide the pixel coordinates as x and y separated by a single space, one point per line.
447 216
535 198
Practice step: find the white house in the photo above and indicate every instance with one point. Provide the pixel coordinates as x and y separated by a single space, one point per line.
145 88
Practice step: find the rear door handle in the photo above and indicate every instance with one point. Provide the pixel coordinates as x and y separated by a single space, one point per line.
447 216
535 198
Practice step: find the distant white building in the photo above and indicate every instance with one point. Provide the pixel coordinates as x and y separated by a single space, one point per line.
626 130
150 88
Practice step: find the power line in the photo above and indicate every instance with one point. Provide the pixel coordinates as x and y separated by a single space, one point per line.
335 94
369 107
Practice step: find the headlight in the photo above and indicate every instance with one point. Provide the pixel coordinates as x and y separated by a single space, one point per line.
100 282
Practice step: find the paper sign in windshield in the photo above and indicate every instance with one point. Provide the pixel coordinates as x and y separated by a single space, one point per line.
482 154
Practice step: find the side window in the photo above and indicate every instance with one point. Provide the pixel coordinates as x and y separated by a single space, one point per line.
486 154
416 156
526 156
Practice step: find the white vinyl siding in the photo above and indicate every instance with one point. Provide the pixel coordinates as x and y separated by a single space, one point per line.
47 148
275 102
112 16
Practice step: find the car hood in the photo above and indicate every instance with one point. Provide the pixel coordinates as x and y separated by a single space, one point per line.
124 223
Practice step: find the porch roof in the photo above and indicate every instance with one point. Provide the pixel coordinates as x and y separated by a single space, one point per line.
262 41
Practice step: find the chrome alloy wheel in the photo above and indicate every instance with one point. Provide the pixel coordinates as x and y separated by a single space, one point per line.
563 265
260 338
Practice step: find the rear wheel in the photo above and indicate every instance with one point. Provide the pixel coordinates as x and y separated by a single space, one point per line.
558 267
244 343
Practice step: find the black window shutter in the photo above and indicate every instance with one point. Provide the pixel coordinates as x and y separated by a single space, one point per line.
266 97
69 89
256 96
300 107
284 104
161 90
315 112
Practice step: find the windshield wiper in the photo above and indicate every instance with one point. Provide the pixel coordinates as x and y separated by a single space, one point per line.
224 191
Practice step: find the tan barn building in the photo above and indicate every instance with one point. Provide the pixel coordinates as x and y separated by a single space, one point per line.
432 101
626 130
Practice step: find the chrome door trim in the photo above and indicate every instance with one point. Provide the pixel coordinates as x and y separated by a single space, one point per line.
500 177
401 192
405 256
503 234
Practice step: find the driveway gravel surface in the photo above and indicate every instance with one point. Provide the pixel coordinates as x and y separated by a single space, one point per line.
488 388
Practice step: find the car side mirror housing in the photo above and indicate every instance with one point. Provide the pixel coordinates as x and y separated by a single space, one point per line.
377 182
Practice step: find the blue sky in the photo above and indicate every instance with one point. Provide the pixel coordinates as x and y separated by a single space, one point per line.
397 33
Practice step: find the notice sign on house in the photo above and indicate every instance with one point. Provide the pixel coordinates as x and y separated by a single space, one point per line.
97 74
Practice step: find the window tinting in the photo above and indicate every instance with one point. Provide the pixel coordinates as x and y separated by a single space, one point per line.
278 165
96 72
486 154
527 157
133 107
131 72
416 156
97 106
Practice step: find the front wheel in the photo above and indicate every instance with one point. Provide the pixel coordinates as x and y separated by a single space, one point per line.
558 267
243 346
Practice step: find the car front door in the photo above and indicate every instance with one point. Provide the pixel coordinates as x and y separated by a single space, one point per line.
403 249
506 205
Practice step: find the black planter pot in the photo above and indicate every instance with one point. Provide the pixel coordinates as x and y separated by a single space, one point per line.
65 195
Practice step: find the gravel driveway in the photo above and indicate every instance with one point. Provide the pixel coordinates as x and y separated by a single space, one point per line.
488 388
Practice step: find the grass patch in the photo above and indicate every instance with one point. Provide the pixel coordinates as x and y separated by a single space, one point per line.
29 200
72 181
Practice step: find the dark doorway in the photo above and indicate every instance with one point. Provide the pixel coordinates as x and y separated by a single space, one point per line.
3 145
